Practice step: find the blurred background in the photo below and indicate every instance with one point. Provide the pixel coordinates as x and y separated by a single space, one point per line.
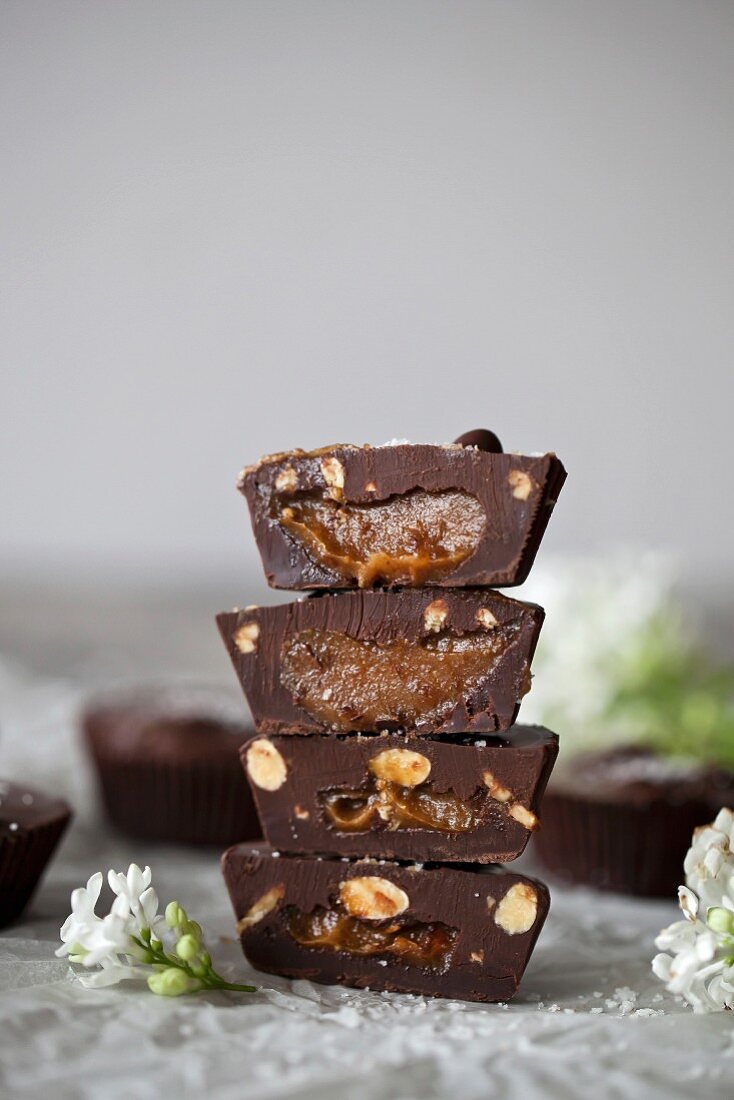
230 228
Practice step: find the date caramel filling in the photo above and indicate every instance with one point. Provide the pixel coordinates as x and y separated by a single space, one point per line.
390 806
412 942
411 539
359 684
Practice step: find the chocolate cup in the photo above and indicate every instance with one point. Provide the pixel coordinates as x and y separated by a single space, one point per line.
29 835
489 957
294 818
627 838
168 767
504 554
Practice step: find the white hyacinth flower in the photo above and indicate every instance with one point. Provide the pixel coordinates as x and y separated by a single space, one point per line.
709 863
128 942
696 959
92 940
135 891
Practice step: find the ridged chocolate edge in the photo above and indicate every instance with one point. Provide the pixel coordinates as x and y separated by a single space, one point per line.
615 846
178 802
23 860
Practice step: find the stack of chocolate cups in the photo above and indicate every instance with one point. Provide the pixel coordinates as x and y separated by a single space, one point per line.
391 782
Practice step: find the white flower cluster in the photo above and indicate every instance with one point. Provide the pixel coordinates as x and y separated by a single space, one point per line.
597 613
696 959
107 943
128 942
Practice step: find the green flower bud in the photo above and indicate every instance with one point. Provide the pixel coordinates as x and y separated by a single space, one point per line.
145 934
187 948
170 983
175 915
720 920
206 958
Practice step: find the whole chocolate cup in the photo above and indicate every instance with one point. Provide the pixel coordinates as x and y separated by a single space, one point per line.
167 762
31 826
622 820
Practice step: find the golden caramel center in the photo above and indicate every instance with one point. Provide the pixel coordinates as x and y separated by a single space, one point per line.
411 539
414 943
360 684
387 805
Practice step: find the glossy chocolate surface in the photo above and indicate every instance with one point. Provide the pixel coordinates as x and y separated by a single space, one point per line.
31 826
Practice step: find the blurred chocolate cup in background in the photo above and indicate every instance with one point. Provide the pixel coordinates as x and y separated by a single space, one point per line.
622 819
167 763
31 826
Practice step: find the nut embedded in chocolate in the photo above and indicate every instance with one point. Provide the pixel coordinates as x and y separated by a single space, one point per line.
376 661
264 765
260 908
439 931
371 897
403 766
455 515
454 799
518 909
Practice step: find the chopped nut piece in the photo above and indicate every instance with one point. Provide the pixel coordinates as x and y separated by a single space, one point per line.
246 637
520 484
498 792
401 766
333 472
435 615
287 480
384 811
476 957
370 487
518 909
265 766
300 813
486 619
373 898
491 902
261 908
525 816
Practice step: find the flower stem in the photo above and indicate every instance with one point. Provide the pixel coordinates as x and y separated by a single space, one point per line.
209 979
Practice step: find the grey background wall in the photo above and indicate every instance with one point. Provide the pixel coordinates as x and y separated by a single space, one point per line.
234 227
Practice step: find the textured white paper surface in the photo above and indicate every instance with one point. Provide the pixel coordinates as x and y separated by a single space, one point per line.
590 1019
